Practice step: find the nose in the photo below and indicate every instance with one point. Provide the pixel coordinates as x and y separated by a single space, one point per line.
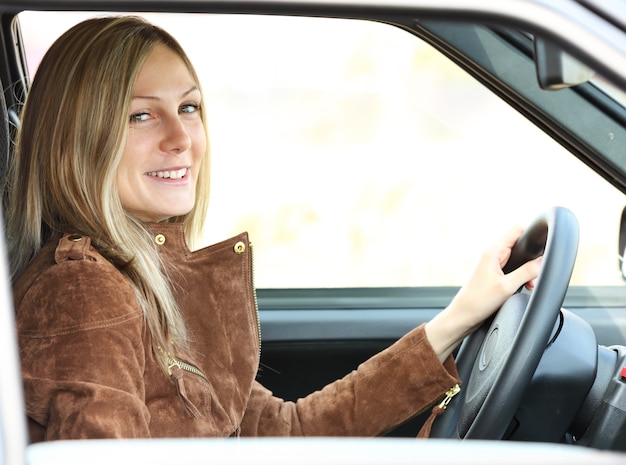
175 138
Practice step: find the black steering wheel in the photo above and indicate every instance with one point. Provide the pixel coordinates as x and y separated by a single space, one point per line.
497 362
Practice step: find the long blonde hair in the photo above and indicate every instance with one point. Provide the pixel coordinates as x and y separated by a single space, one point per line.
63 178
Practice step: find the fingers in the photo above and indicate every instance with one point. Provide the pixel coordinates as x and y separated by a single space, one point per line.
511 236
507 242
522 276
525 275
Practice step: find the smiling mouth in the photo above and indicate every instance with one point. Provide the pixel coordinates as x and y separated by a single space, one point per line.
169 174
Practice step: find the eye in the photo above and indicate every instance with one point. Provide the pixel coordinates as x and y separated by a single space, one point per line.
139 117
189 108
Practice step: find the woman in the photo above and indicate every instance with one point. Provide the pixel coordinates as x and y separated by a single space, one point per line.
123 331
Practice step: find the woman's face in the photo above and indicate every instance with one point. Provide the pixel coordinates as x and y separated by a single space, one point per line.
158 173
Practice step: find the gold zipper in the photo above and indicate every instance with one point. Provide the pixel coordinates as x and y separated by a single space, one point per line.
450 393
172 362
256 302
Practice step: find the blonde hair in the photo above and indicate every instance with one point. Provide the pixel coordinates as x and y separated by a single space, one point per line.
63 175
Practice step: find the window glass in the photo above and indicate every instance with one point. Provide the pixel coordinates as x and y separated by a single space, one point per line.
356 155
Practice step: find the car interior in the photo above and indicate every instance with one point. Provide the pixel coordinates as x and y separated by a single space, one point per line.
559 351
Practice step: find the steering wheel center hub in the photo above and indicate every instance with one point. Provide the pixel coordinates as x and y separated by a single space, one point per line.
488 349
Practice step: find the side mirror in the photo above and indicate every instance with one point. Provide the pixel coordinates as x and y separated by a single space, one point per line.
557 69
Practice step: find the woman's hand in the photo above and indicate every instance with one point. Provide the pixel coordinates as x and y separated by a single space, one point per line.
484 293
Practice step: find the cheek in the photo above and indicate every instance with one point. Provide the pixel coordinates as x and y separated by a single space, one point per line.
124 182
127 169
199 143
136 153
123 172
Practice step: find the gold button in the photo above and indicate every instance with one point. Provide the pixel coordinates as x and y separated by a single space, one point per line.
74 238
159 239
239 248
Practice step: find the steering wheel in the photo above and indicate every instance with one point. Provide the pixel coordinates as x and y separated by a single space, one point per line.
497 362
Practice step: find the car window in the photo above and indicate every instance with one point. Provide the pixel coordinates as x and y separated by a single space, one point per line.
356 155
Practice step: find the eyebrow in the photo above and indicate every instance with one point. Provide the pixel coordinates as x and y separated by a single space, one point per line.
152 97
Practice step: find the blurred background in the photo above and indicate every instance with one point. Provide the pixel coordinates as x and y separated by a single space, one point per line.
356 155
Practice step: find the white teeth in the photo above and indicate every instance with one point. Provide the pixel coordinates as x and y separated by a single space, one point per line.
173 174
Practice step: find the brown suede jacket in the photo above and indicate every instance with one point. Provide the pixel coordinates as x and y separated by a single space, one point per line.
89 371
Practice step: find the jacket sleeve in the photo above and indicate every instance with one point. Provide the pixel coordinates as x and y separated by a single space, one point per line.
383 392
81 332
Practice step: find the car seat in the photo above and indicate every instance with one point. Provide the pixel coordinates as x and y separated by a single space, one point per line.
13 431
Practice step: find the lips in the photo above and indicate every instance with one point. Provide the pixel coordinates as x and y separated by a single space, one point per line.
169 174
